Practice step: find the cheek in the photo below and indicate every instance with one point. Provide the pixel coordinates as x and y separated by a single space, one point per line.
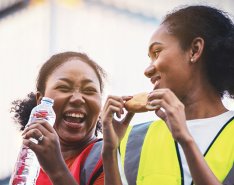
161 65
162 62
94 110
168 62
95 104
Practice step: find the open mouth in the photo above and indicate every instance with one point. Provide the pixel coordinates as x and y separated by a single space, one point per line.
74 117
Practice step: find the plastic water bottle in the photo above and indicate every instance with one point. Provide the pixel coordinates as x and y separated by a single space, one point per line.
27 167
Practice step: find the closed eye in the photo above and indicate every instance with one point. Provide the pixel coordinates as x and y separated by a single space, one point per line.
90 90
63 88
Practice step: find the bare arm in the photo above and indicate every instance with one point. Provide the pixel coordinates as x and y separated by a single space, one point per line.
201 173
113 132
63 177
111 171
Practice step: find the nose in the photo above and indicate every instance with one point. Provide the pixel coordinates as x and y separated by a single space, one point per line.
77 98
149 71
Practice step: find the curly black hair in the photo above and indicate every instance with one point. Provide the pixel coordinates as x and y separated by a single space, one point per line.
217 30
22 107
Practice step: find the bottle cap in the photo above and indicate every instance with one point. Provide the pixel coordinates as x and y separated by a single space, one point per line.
49 100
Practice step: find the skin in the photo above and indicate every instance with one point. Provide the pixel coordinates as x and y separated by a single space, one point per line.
181 90
75 88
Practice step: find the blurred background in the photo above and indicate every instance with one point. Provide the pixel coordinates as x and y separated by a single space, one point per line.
115 33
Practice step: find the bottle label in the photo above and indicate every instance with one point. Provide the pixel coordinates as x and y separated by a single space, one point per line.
41 114
44 114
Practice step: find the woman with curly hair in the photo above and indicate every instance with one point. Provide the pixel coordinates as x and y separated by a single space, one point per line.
70 152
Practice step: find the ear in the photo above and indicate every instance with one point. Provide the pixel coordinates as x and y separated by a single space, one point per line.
197 47
39 97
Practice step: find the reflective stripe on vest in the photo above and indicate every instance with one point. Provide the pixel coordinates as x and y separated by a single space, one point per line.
135 141
90 163
229 180
159 162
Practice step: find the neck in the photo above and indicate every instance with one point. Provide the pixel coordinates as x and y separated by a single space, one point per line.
74 148
200 109
203 104
201 99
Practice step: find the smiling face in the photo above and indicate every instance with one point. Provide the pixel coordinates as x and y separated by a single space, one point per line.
75 88
170 66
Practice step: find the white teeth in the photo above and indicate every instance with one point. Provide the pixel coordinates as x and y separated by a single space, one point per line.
75 115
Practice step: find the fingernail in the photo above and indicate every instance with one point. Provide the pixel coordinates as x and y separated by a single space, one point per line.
150 94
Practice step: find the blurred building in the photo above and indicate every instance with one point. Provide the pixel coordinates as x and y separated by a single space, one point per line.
114 33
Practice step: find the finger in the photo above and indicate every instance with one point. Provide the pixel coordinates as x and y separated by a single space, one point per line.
128 118
48 127
115 109
170 104
164 98
33 133
154 104
117 106
108 114
165 94
40 139
118 114
32 145
116 98
41 125
156 94
126 98
161 114
113 100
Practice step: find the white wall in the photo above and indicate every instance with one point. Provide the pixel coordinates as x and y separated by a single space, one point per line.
23 45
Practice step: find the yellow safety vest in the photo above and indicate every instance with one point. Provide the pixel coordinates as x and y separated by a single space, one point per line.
150 155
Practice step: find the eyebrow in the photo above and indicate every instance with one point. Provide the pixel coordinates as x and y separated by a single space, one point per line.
69 81
151 45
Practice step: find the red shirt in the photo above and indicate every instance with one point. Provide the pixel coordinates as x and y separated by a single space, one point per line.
74 164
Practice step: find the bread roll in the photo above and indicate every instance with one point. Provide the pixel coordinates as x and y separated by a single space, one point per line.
139 103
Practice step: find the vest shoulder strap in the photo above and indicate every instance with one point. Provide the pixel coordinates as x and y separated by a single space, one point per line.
222 148
229 180
93 166
132 153
220 153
